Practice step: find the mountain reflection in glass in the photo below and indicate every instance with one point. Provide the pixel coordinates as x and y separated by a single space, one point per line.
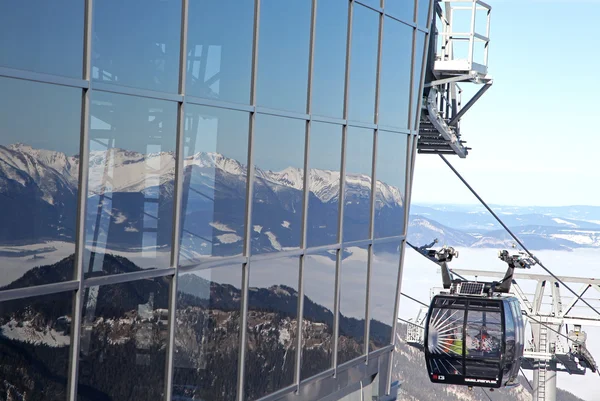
35 340
136 43
324 184
383 282
278 183
357 192
39 170
353 301
123 342
319 304
207 334
391 179
272 329
214 183
130 184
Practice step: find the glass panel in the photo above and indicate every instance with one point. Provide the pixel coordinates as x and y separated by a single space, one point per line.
35 345
42 36
319 301
136 43
509 325
329 69
219 59
353 300
124 335
396 62
402 9
363 64
130 185
484 334
445 335
423 13
39 170
272 326
278 184
207 334
357 194
214 186
391 177
324 166
384 279
284 43
419 53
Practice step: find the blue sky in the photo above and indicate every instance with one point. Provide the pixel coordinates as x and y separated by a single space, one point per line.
533 134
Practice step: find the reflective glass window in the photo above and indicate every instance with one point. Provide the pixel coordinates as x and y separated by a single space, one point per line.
383 282
324 184
278 183
136 43
35 347
363 64
419 54
329 69
509 324
284 42
445 332
319 301
214 184
219 54
484 334
39 170
423 13
396 63
124 333
401 9
357 193
353 300
130 185
42 36
391 179
272 326
207 334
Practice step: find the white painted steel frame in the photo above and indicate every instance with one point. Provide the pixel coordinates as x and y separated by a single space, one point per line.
79 284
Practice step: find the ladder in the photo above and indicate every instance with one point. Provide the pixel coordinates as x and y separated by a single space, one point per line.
542 364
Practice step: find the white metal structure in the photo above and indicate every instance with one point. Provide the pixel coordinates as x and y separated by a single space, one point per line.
442 110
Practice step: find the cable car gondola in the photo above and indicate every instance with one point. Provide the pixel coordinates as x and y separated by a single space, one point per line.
474 331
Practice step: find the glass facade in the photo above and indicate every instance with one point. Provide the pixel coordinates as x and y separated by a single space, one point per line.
202 200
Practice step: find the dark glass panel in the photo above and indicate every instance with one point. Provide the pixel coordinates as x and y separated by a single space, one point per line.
353 301
219 58
42 36
130 185
445 332
284 43
419 54
39 171
35 340
423 13
484 334
396 63
319 301
363 64
278 183
214 186
391 177
325 156
357 193
385 263
136 43
329 69
401 9
124 335
272 326
207 334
